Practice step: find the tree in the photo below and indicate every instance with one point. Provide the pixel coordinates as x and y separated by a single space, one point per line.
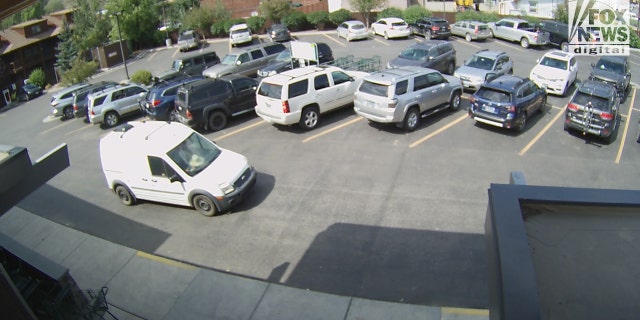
67 50
339 16
199 19
367 7
275 10
318 19
53 6
561 14
256 23
413 13
90 26
295 20
38 78
138 20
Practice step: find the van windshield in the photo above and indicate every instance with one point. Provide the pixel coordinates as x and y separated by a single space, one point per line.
229 59
194 154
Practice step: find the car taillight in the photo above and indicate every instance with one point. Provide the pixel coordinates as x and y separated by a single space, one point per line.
511 108
606 116
92 113
393 103
472 99
435 28
572 107
475 30
155 103
75 107
285 106
189 115
535 38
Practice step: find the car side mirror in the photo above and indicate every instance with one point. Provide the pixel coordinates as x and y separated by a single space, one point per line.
593 65
490 76
537 60
431 58
238 63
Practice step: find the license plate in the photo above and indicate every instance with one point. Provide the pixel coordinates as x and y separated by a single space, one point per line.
489 109
371 104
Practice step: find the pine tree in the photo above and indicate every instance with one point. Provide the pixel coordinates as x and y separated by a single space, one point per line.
67 50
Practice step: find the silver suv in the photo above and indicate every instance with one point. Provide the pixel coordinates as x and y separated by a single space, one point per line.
404 95
109 106
188 40
483 66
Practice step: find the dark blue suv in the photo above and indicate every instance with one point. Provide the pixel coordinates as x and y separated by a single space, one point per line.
507 102
159 102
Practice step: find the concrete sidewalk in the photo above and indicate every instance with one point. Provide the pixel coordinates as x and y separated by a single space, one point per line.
144 286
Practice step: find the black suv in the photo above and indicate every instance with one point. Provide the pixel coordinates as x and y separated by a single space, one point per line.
613 70
558 33
594 110
283 61
210 102
507 102
434 54
431 28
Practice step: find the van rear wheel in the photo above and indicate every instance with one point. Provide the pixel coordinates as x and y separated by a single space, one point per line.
125 196
204 205
217 121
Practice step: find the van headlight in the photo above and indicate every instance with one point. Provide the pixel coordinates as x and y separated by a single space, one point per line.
226 188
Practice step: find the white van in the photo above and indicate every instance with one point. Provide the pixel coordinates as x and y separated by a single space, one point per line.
240 34
171 163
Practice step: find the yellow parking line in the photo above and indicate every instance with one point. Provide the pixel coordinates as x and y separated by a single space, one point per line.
542 132
435 133
56 127
77 130
164 260
152 56
466 311
469 44
626 127
375 38
335 40
332 129
259 122
506 45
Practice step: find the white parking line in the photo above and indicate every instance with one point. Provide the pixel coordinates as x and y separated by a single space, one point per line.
335 40
380 41
542 132
78 130
56 127
468 44
152 56
626 128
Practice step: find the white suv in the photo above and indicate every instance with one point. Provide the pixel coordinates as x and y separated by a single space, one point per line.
301 95
556 71
109 106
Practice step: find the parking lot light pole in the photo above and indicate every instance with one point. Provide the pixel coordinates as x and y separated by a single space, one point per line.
124 60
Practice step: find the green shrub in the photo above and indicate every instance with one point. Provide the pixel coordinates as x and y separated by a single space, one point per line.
478 16
256 24
141 76
634 41
339 16
38 78
295 21
217 29
318 19
391 12
415 12
80 71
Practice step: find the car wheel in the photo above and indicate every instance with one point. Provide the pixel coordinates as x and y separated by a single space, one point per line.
427 34
125 196
204 205
454 104
451 68
565 89
386 35
511 71
411 119
111 118
467 37
490 33
521 122
309 118
67 112
524 42
564 47
217 121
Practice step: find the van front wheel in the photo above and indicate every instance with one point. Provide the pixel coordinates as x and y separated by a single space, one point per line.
204 205
125 196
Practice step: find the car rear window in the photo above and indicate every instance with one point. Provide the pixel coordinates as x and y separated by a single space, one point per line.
482 27
583 99
375 89
270 90
494 95
357 26
398 24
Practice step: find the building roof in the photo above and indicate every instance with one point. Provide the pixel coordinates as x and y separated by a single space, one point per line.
12 39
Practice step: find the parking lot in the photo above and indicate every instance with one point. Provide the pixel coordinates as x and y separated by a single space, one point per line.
352 207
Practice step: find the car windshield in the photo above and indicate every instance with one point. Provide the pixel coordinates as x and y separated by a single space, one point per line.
610 66
413 54
554 63
494 95
375 89
229 59
284 56
585 99
478 62
194 154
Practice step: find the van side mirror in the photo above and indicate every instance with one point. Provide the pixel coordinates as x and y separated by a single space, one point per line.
175 177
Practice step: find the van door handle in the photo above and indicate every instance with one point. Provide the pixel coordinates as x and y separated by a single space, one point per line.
145 179
154 180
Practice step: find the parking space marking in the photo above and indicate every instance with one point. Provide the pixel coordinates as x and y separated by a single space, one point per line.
334 39
152 56
638 64
542 132
435 133
554 107
164 260
468 44
508 46
332 129
379 41
175 52
626 127
77 130
56 127
257 123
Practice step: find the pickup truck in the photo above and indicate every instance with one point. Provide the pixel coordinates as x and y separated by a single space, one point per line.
211 102
519 30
